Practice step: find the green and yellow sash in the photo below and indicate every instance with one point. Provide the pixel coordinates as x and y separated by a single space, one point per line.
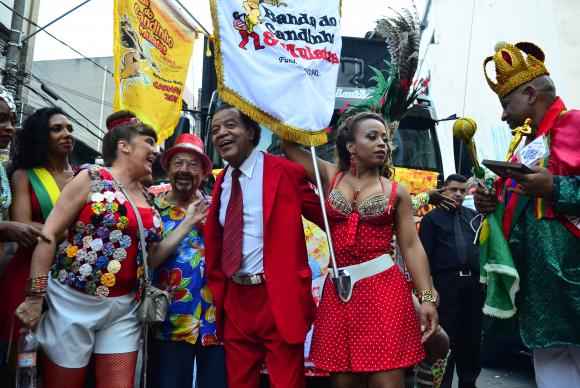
45 189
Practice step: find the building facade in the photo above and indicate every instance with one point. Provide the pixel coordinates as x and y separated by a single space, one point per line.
82 84
460 34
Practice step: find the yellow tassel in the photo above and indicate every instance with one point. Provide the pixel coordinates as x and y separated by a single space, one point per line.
208 48
286 132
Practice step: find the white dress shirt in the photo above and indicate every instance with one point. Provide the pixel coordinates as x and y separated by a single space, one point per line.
251 177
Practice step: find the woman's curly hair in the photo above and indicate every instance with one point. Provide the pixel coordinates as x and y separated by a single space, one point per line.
31 146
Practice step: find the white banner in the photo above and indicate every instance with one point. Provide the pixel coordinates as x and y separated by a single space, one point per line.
277 61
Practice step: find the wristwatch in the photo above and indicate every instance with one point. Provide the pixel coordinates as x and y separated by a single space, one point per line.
427 296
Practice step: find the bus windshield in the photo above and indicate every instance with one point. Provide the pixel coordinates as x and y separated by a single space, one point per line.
415 148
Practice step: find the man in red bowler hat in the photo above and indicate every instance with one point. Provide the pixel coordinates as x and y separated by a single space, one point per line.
189 330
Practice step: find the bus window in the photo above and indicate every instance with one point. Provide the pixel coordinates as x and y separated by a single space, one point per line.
415 149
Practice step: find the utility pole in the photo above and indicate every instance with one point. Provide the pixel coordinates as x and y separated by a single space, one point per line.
13 78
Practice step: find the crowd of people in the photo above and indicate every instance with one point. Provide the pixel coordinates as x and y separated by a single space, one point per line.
234 262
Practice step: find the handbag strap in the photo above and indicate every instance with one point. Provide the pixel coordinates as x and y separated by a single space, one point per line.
141 230
145 333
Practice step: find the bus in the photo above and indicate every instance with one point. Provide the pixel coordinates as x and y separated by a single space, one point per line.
416 146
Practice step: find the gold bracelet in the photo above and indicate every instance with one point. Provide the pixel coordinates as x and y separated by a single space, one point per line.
37 286
427 296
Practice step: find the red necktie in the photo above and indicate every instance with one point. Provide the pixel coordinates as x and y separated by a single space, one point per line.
233 229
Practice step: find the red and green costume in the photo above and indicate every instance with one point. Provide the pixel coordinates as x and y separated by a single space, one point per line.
544 239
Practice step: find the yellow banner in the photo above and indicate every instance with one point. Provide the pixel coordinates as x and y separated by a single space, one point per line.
152 48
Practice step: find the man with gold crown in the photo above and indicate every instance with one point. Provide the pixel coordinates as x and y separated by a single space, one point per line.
541 221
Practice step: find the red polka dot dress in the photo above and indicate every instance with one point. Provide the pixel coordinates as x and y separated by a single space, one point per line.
378 329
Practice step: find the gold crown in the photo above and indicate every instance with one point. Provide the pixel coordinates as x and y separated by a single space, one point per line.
512 69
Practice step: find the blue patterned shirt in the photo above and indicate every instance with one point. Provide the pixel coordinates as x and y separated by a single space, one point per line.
191 313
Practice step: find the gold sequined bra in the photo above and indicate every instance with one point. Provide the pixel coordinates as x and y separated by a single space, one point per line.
375 205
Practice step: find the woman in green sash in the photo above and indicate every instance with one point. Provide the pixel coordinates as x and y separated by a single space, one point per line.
41 169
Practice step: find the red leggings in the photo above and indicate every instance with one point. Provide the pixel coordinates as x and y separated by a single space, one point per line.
111 371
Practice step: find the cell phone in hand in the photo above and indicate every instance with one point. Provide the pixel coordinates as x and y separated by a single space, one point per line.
505 169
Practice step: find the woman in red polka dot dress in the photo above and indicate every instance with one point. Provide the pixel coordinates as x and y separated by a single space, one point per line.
373 334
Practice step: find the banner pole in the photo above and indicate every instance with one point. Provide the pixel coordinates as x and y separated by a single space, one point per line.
323 207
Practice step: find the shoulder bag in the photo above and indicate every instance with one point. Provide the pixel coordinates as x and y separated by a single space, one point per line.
154 301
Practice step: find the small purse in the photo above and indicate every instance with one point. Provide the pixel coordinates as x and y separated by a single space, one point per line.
154 301
154 305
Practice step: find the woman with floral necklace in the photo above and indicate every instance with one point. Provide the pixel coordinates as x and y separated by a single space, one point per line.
93 284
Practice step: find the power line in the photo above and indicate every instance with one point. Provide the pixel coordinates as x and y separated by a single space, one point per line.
43 97
55 38
58 97
74 92
43 29
467 62
55 20
194 18
71 106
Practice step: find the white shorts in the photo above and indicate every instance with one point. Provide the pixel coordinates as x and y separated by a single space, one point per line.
77 325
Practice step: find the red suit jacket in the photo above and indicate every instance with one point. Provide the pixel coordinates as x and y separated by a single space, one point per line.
286 196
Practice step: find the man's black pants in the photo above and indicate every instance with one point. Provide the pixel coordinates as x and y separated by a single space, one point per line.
461 301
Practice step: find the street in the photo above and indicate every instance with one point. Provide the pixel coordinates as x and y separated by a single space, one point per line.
515 377
502 378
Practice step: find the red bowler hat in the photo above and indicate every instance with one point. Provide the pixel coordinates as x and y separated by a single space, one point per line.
190 143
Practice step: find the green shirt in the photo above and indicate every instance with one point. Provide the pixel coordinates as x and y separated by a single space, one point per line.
547 258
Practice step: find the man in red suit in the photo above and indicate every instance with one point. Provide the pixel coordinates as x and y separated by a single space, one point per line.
256 258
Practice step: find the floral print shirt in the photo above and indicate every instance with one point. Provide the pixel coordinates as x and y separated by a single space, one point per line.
191 314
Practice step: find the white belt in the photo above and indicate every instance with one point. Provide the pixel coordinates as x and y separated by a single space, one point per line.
350 275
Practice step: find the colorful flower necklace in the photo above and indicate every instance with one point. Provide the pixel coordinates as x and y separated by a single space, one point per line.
5 193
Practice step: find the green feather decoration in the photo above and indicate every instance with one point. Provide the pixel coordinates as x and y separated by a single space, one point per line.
395 89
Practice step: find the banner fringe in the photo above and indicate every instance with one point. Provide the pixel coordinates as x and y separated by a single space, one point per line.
284 131
229 96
